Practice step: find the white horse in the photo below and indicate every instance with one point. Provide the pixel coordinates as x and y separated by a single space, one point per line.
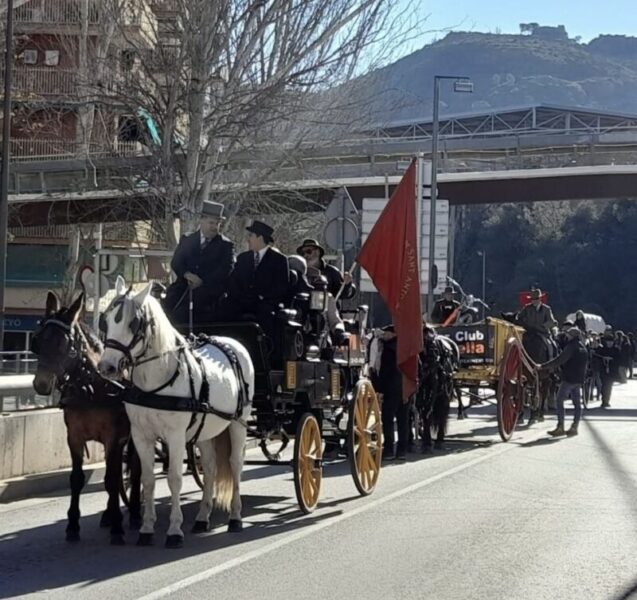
142 343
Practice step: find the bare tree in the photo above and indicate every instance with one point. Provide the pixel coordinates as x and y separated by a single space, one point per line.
228 77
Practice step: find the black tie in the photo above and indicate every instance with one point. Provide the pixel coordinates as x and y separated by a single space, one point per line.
256 260
204 244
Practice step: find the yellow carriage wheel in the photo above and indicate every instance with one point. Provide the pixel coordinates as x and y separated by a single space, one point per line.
365 439
308 462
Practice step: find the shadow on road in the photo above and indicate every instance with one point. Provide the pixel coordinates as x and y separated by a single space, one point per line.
38 559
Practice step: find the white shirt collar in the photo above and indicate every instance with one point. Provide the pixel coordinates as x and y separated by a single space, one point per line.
262 253
203 239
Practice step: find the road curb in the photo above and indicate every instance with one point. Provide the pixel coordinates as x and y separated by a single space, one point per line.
40 484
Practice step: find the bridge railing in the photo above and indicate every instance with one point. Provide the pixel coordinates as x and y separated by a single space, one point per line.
16 383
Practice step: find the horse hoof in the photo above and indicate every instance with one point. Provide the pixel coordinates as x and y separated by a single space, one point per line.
174 541
117 539
105 521
145 539
135 523
201 527
72 536
235 526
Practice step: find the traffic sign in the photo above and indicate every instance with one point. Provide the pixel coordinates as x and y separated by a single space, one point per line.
341 231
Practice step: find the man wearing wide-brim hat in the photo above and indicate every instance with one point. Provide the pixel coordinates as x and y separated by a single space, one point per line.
313 254
202 262
444 307
537 316
261 278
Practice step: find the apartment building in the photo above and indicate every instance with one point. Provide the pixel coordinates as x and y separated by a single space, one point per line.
71 139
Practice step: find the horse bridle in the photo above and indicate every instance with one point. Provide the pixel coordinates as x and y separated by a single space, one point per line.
74 341
138 327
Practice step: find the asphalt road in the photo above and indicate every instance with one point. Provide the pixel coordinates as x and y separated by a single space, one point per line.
531 519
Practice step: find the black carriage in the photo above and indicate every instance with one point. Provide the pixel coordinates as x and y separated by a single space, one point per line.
313 392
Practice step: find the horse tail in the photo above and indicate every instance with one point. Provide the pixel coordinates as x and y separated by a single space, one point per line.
224 481
440 411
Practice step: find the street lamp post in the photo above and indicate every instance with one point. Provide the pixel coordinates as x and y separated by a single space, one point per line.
6 148
483 254
462 85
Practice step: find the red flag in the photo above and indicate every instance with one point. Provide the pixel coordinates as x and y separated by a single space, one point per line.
390 256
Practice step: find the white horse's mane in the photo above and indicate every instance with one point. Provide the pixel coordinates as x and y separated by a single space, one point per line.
165 338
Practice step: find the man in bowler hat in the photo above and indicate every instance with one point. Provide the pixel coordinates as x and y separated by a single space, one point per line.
202 262
444 308
313 253
261 278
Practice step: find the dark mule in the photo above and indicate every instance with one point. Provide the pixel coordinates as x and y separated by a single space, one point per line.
68 353
541 349
439 360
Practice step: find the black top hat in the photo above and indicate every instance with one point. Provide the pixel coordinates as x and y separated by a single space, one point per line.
536 294
310 243
448 290
212 209
259 228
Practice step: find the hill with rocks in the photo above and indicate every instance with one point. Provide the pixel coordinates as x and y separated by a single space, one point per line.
541 67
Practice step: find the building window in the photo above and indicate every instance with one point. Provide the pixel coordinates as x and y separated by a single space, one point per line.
127 60
52 58
30 57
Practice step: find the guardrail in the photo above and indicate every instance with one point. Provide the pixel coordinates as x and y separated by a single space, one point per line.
16 383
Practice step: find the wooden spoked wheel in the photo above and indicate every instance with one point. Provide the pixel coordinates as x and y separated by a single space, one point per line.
510 394
308 462
194 464
365 439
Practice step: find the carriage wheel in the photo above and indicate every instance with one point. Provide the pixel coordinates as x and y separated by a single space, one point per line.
510 395
364 438
124 478
308 465
194 464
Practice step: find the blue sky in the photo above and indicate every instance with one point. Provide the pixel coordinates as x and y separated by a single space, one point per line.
585 18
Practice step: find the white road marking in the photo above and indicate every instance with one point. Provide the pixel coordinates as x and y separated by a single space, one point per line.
299 535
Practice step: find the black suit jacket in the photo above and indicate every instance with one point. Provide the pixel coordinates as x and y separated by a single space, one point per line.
268 285
213 264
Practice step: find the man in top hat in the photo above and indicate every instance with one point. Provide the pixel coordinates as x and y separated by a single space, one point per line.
261 278
443 309
537 316
313 253
202 262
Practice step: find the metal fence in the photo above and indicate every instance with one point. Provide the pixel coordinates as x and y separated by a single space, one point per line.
16 383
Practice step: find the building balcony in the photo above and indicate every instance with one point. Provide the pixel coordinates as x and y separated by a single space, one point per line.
23 150
65 16
29 83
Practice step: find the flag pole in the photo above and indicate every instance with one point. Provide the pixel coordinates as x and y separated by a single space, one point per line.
351 271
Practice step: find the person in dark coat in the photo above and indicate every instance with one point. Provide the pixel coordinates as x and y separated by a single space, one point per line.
444 307
580 321
633 348
609 353
573 361
313 253
389 382
202 262
260 281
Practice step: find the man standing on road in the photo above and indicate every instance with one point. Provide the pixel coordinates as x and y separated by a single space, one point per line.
573 360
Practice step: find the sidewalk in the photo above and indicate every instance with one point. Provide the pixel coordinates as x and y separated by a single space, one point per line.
39 484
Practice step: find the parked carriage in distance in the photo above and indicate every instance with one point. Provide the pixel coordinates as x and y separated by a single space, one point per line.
492 357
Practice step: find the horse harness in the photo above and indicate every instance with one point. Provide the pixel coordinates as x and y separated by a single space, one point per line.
78 386
195 403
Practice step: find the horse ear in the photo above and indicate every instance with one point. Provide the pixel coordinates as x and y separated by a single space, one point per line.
77 307
120 286
141 297
52 304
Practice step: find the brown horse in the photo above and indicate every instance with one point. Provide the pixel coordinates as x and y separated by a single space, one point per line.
68 353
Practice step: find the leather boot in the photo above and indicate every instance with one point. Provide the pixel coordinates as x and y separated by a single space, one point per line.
573 430
559 430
